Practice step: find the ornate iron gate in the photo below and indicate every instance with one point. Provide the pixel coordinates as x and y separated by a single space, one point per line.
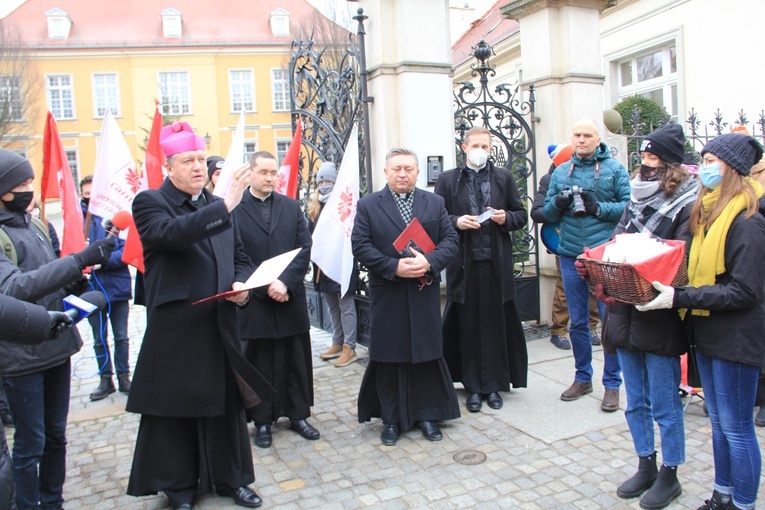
328 94
510 118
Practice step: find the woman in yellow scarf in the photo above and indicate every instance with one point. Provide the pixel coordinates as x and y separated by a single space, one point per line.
725 306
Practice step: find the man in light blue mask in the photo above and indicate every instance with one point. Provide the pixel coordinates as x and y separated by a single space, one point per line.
484 344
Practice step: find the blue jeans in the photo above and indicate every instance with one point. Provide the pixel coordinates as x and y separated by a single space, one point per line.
118 315
651 383
730 389
40 404
577 297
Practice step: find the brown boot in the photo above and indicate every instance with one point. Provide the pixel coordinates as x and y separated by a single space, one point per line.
610 401
348 357
576 390
333 352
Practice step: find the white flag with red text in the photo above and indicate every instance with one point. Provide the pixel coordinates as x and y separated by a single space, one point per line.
331 249
115 179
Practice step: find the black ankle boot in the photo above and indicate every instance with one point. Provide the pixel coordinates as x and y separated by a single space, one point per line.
104 389
642 480
123 381
663 491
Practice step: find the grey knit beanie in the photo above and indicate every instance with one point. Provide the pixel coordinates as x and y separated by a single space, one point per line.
327 172
14 169
739 151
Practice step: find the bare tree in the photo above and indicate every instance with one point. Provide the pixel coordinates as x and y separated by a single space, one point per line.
19 87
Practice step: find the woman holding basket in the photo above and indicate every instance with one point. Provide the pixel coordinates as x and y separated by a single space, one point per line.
649 344
723 302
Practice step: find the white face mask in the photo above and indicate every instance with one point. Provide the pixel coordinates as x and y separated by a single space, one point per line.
477 158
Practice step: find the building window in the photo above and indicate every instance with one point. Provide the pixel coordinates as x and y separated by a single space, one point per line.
171 23
241 84
10 98
61 96
59 23
281 89
175 93
106 94
281 150
280 22
651 74
250 148
71 157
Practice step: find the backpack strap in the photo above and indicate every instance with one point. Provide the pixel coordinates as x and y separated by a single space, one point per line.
43 228
8 247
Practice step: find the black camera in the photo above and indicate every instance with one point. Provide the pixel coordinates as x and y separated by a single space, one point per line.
577 204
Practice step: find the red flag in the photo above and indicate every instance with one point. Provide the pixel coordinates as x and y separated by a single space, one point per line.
132 252
155 156
56 166
288 173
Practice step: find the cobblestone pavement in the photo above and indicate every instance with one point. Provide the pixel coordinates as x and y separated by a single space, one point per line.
535 452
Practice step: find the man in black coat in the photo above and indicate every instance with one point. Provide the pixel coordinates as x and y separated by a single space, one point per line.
193 434
275 326
484 344
407 381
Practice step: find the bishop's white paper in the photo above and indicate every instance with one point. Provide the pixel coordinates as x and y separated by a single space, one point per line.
485 215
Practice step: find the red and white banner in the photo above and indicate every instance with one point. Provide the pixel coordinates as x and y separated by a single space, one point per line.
234 159
153 168
56 167
331 249
288 172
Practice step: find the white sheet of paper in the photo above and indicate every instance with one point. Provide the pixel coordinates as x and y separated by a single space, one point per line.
270 270
485 215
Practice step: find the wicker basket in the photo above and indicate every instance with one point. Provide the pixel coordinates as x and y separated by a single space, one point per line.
623 283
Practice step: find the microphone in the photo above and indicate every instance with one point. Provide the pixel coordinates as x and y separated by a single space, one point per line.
79 307
120 221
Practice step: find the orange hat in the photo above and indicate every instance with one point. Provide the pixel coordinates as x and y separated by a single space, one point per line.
560 153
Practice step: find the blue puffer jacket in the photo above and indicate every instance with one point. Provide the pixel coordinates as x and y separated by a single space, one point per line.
613 193
115 277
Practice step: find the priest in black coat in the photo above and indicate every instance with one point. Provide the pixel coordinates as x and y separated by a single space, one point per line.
190 377
406 382
275 326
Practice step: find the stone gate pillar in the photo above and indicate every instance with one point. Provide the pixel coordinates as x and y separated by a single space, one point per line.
408 56
560 55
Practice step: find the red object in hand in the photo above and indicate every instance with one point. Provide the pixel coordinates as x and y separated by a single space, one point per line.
600 293
581 269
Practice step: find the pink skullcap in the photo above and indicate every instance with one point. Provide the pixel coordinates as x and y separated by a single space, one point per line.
179 137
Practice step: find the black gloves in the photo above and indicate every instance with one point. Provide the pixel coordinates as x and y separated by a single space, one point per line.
58 323
564 199
591 206
77 287
97 253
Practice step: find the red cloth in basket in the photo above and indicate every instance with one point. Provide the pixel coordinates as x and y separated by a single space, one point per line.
661 268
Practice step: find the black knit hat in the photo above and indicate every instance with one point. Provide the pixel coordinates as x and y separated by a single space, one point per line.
739 151
14 169
668 143
213 163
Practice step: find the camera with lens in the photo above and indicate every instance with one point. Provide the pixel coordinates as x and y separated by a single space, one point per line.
577 204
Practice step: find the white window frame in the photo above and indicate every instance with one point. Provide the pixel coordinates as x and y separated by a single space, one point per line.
280 155
10 85
59 23
242 85
72 151
116 110
247 154
49 98
172 23
165 94
280 22
286 92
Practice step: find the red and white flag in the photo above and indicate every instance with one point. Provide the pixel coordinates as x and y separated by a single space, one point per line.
153 168
234 159
115 179
288 172
331 249
56 166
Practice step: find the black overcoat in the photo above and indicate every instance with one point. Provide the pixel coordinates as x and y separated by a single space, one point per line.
405 323
452 186
264 317
189 254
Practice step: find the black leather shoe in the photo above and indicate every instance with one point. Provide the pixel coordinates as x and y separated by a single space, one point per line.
183 506
263 436
303 428
389 434
473 402
243 496
431 431
494 400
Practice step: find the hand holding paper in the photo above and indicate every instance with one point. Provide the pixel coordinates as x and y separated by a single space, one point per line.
240 297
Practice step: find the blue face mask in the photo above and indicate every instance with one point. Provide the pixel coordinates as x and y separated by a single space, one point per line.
710 175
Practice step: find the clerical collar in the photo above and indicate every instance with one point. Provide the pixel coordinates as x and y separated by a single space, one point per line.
257 197
194 198
402 196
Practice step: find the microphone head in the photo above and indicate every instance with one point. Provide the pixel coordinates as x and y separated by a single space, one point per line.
122 220
95 298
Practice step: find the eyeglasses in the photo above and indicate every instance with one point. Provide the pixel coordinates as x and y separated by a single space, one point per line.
267 173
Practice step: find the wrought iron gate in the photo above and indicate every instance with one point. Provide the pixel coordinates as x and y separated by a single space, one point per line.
510 118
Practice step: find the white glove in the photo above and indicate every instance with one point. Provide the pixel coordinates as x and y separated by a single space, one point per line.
663 301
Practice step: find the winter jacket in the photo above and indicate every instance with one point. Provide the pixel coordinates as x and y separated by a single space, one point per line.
40 277
537 212
612 193
114 279
734 328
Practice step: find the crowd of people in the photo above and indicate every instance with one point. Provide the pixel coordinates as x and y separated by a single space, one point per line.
250 353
